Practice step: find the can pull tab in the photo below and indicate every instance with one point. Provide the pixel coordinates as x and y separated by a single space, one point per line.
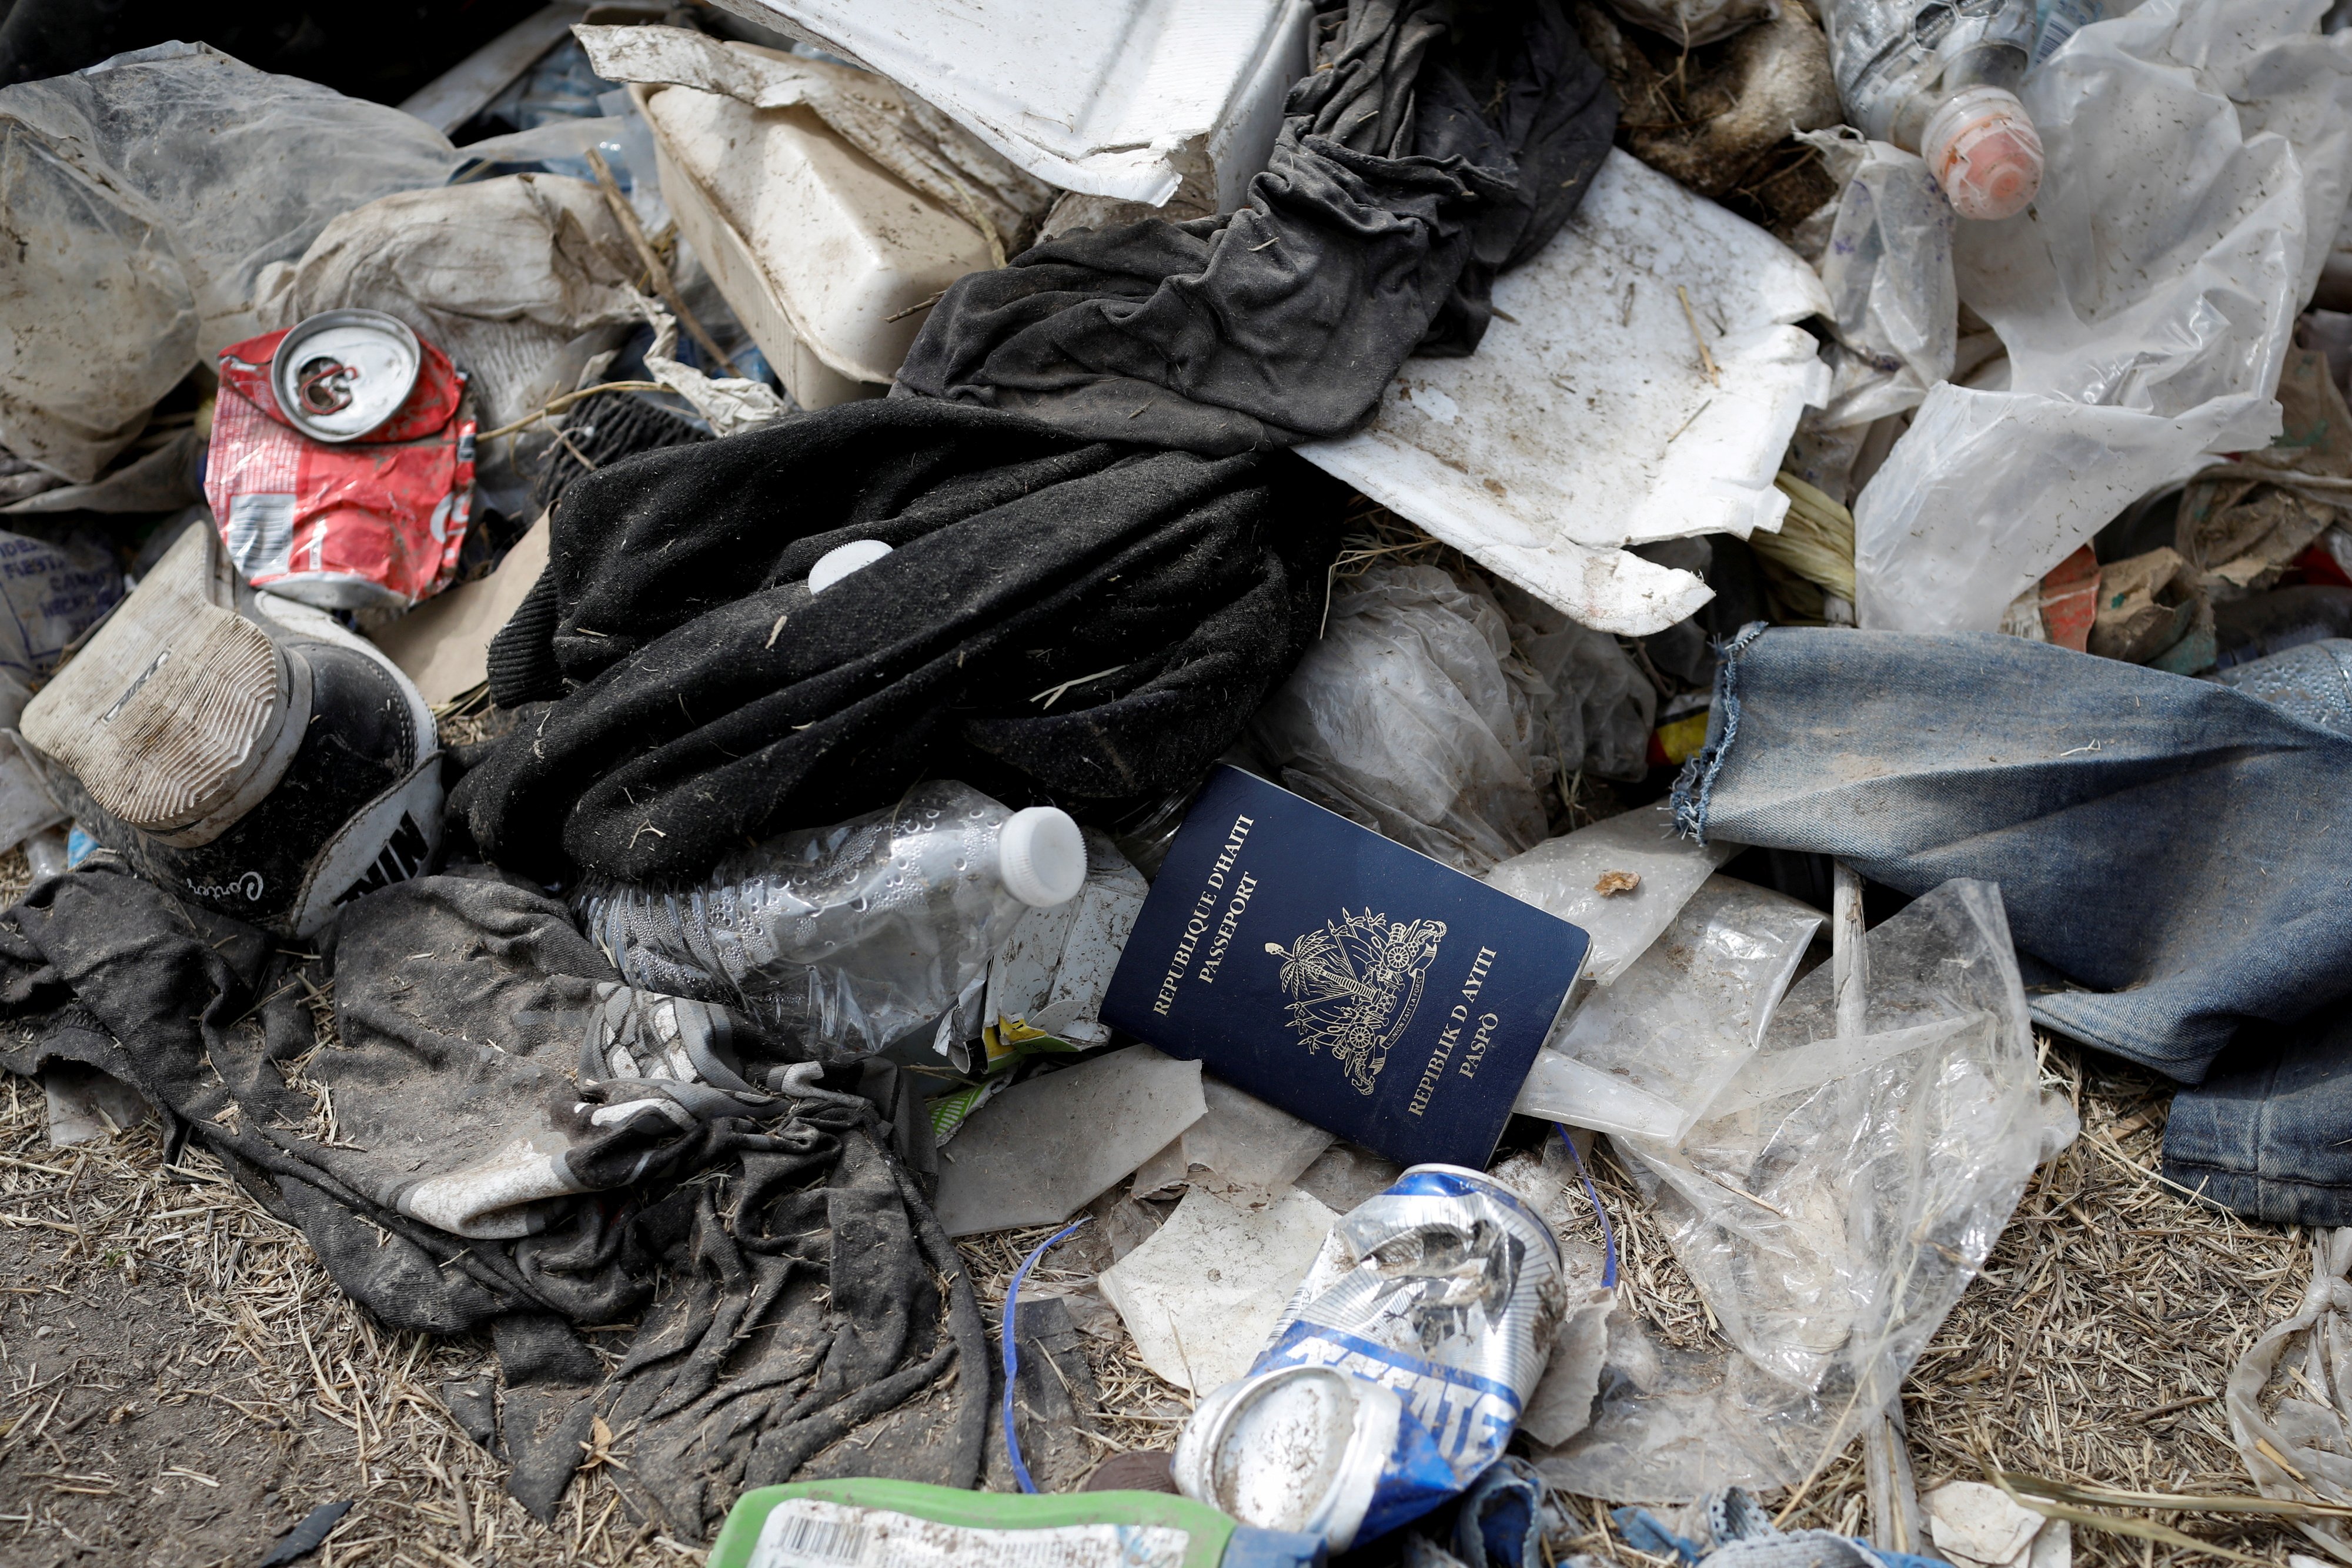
325 384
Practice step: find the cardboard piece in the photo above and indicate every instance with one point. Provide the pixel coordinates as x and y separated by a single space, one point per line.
444 643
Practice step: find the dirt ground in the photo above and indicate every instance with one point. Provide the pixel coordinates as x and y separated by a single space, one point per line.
180 1383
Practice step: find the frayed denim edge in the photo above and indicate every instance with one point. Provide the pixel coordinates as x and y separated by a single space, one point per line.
1722 729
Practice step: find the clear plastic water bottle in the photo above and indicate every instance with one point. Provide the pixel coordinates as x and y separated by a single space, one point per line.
852 938
1939 78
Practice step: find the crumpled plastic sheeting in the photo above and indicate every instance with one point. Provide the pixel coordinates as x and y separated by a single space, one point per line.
890 125
2293 1391
1888 270
1602 708
1831 1208
149 191
1562 877
1414 716
2199 153
521 279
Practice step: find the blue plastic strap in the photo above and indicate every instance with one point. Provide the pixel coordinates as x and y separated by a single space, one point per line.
1008 1333
1607 1236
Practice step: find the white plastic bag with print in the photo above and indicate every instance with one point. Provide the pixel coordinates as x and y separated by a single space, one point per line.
2198 152
1831 1206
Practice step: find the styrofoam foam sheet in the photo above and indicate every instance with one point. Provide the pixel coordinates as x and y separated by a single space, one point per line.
1113 98
1586 421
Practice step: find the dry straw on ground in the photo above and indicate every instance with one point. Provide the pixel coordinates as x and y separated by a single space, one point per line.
2094 1347
179 1378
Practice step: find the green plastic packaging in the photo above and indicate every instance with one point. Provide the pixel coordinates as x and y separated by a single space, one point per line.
869 1523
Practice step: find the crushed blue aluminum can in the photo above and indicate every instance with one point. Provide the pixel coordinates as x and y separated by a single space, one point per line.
1397 1372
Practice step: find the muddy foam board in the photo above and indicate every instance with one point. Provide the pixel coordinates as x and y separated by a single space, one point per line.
1202 1297
1113 98
1244 1148
1045 1148
1588 421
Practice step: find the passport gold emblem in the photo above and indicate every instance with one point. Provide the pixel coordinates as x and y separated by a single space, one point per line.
1354 985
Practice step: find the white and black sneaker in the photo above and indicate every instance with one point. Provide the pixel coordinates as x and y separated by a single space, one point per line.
244 750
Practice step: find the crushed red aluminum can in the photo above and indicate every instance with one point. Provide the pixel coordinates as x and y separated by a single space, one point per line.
373 522
341 373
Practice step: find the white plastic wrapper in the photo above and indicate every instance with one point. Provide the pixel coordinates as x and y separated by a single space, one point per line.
1414 716
2198 157
159 182
1831 1207
1564 876
1646 1055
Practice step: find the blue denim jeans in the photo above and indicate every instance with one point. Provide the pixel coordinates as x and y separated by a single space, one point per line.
2265 1133
2174 855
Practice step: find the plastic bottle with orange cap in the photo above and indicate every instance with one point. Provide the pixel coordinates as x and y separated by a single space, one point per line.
1939 78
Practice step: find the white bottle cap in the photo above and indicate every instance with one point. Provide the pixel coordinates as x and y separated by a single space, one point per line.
1982 149
842 560
1042 857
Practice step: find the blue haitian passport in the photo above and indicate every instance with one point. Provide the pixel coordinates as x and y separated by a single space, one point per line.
1343 976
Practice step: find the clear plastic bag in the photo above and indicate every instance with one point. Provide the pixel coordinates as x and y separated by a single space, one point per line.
151 190
621 138
1414 716
851 938
2199 154
1831 1207
1602 708
1563 876
1645 1055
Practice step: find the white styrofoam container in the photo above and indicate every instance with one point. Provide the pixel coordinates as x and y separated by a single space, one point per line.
1586 421
1113 98
816 246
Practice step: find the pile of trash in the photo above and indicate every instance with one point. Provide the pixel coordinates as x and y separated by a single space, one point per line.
829 628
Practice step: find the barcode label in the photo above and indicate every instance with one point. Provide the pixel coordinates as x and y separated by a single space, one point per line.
804 1532
796 1539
